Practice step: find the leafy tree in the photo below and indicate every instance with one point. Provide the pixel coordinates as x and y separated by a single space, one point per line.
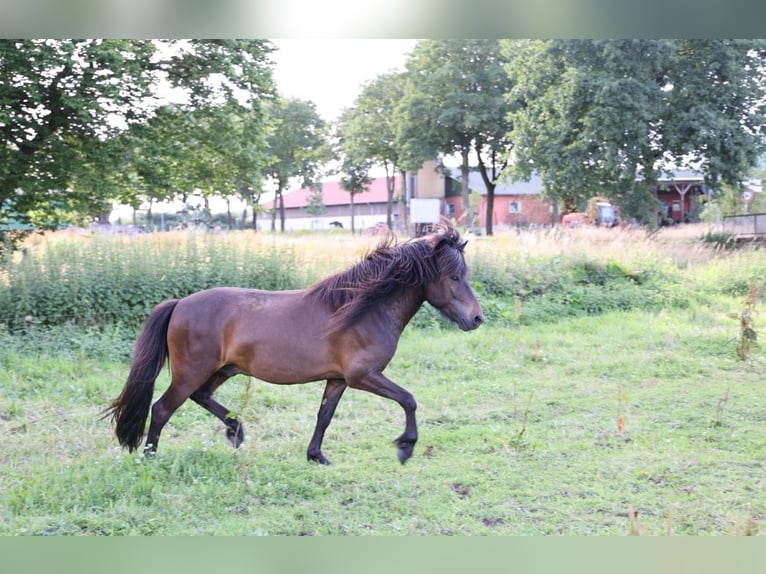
455 103
315 202
729 201
63 102
368 129
57 100
226 120
608 117
355 179
297 148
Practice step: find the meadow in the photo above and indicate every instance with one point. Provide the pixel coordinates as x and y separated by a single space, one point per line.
616 389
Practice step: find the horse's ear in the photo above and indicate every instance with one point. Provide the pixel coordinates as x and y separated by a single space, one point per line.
434 239
445 233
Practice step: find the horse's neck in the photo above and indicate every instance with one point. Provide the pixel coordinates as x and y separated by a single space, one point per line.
402 309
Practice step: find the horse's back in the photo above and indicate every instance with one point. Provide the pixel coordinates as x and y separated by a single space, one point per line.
276 336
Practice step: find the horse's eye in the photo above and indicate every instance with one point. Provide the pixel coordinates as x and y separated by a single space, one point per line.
455 278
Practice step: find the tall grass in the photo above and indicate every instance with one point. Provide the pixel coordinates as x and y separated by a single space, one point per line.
549 274
521 278
97 280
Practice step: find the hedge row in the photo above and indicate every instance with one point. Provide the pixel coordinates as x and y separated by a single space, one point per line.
104 281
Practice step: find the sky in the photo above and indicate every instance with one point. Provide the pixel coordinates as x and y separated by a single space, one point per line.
331 72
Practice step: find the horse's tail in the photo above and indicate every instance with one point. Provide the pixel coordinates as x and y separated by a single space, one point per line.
130 410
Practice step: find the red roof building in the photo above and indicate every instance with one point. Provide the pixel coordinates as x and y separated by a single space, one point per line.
369 207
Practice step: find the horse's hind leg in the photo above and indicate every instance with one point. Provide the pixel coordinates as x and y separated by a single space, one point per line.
333 391
183 384
162 410
204 397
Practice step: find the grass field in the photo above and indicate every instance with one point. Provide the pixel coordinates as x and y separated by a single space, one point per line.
626 422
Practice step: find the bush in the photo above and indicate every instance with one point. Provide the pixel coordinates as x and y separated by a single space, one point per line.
95 280
102 280
722 239
548 289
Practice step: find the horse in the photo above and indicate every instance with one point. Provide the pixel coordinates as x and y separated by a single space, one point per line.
344 330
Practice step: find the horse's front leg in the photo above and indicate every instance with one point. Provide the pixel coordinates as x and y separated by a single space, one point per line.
379 384
333 391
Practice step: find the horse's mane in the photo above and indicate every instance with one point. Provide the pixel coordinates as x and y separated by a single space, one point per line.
388 271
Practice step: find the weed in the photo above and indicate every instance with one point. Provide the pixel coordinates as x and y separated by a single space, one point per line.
720 407
520 422
622 399
635 525
721 240
748 336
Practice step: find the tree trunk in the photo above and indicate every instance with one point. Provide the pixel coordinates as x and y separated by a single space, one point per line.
490 183
274 211
489 216
390 185
353 229
464 189
404 205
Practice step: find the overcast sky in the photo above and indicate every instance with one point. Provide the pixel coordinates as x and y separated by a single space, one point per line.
330 72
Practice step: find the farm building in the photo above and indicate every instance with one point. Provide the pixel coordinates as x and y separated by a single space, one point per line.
369 207
679 196
520 204
517 204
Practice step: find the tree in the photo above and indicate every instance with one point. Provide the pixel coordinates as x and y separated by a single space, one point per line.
608 117
297 148
367 130
455 102
57 99
63 101
315 202
355 180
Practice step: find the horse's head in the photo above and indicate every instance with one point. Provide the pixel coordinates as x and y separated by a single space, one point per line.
450 292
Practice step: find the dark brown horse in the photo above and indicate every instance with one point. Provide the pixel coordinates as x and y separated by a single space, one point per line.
344 329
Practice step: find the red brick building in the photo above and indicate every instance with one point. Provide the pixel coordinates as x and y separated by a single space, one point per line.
519 204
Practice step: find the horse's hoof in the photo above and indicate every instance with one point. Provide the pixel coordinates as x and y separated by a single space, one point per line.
318 458
404 452
236 438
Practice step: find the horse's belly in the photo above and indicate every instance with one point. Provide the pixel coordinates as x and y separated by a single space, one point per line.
289 363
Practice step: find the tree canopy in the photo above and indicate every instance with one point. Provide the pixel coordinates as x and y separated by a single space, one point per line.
367 130
297 147
608 117
455 103
66 105
86 122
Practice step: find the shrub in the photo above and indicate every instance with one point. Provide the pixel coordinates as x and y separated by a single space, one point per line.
97 280
103 280
514 290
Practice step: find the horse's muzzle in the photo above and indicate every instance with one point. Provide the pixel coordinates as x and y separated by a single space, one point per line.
470 323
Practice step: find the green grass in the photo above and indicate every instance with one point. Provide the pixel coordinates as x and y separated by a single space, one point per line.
632 422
